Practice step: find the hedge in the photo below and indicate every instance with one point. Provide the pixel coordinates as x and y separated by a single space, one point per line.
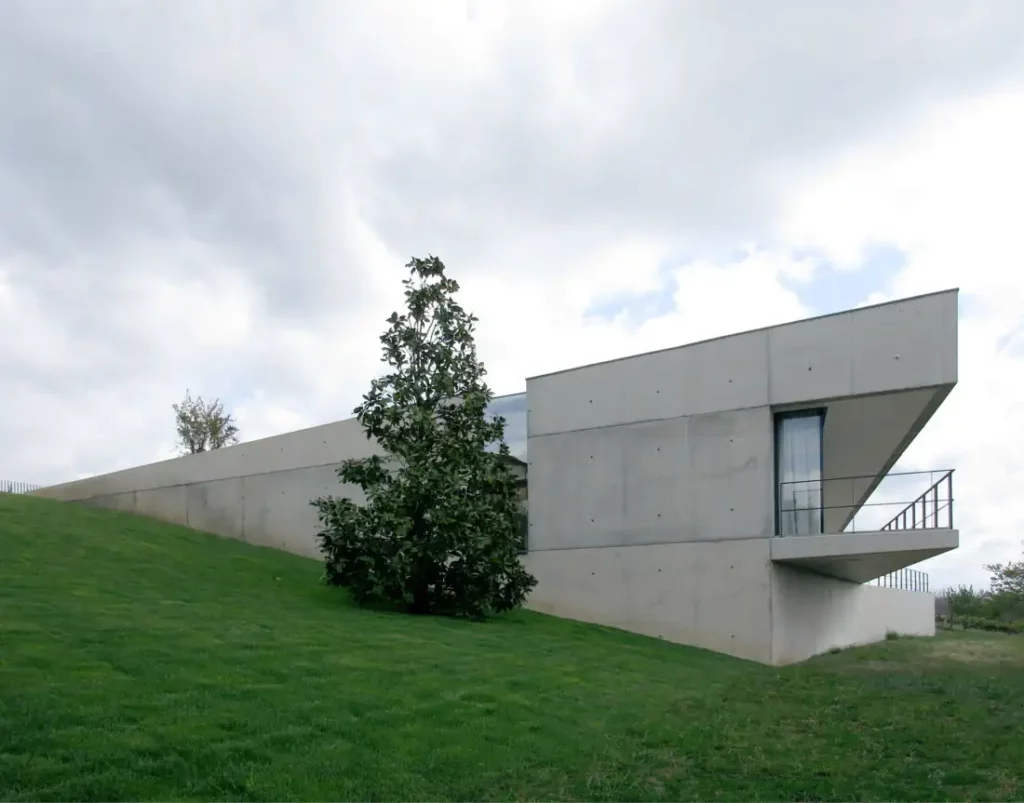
981 623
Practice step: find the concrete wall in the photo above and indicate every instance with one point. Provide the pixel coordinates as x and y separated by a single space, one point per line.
693 478
652 479
725 596
677 445
324 445
264 509
812 614
911 343
651 498
257 492
712 595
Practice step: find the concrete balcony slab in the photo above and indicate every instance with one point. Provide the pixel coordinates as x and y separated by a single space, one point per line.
864 556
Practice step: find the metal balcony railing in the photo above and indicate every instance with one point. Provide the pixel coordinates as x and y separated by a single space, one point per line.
894 501
927 508
13 487
905 579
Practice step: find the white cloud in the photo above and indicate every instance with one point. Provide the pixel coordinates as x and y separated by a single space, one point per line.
949 195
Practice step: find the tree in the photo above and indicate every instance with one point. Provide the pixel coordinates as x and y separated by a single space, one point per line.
1008 578
439 530
203 425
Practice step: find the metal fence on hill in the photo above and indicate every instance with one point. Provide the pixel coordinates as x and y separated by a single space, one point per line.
14 487
906 579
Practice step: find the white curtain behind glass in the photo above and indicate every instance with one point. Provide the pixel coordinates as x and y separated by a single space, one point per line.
800 475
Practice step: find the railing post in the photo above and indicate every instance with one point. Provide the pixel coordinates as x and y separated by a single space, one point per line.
949 486
935 505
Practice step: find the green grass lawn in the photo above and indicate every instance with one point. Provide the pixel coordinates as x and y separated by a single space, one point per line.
140 660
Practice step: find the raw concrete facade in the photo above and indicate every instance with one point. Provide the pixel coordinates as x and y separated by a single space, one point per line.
653 483
653 487
257 492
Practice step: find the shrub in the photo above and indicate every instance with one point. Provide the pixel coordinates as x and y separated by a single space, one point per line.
981 623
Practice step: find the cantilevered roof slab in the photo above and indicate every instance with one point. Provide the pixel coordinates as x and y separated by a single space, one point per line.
902 345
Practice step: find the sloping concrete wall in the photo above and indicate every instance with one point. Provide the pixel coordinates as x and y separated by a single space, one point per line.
270 509
325 445
258 492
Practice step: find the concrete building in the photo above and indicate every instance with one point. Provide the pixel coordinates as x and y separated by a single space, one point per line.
714 494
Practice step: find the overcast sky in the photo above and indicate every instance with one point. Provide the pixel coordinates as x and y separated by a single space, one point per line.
221 195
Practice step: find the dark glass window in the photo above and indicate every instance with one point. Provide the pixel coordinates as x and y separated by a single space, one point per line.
798 469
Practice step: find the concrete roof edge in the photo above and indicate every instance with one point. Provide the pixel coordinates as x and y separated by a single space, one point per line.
954 290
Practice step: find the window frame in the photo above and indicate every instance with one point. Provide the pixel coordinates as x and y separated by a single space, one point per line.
777 421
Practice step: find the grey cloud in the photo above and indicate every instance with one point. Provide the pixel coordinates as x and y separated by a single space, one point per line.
699 116
165 121
166 117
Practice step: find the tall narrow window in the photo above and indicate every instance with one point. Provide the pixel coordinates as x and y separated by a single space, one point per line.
799 472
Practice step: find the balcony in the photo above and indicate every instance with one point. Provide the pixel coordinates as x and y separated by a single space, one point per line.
822 526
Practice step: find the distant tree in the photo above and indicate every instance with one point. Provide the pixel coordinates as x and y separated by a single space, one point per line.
203 425
966 601
440 528
1008 578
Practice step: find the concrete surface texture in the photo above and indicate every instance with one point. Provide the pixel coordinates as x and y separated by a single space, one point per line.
257 492
812 614
653 483
726 596
709 594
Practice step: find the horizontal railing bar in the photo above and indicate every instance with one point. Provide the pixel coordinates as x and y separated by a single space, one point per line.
944 471
866 504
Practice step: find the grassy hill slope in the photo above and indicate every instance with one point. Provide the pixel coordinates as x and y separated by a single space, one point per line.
140 660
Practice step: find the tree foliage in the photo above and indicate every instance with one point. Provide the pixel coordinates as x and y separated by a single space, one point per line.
439 530
1002 602
1008 578
203 425
982 604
